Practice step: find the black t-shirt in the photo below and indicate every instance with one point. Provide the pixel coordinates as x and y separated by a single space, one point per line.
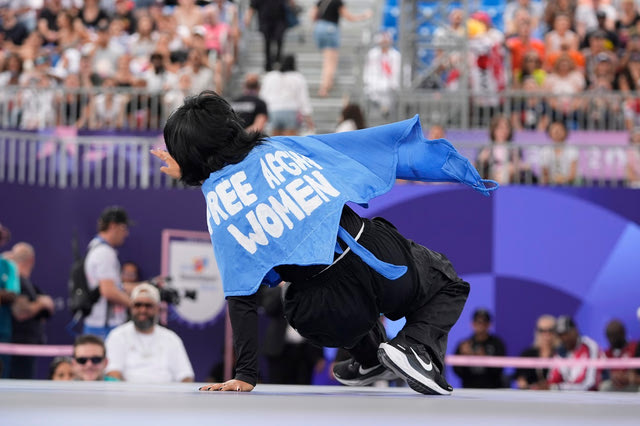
248 107
102 15
16 34
482 377
269 11
533 375
329 10
31 330
51 19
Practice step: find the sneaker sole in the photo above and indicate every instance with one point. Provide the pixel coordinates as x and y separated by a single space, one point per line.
396 361
387 375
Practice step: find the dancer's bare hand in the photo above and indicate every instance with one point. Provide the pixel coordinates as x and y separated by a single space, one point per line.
172 168
232 385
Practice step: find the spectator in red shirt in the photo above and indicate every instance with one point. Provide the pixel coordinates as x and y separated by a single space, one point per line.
574 346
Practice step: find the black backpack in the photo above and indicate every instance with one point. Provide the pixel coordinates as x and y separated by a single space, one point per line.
81 298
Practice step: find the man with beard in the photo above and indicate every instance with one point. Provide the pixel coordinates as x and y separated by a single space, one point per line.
144 352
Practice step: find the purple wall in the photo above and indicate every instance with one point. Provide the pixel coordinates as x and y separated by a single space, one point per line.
526 250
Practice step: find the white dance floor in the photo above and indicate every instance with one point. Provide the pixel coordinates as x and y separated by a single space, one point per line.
120 404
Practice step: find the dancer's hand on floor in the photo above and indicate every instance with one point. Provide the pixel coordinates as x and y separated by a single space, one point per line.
232 385
171 169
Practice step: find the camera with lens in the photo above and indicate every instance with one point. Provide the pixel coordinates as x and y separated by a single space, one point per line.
169 294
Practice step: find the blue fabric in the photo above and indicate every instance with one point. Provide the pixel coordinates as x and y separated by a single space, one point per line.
387 270
282 204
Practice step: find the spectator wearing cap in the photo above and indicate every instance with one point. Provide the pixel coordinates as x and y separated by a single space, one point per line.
102 269
619 380
481 343
144 352
577 347
89 359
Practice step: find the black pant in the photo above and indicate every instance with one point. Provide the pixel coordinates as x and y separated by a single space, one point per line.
340 307
273 33
294 366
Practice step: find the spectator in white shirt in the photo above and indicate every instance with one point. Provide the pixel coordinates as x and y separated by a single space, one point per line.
144 352
382 74
287 96
559 162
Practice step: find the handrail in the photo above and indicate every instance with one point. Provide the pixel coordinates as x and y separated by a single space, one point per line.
67 159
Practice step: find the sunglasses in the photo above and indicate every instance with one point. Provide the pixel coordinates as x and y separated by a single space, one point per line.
94 359
143 305
546 330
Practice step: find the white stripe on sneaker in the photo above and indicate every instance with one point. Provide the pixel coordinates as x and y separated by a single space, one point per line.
400 364
427 367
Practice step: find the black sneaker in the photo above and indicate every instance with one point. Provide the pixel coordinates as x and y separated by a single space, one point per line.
413 364
351 373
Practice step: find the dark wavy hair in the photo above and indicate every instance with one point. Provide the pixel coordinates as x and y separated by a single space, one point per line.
204 135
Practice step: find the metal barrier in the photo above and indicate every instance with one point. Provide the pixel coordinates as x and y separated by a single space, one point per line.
52 158
63 158
34 108
591 110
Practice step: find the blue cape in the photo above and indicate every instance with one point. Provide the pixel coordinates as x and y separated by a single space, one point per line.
281 205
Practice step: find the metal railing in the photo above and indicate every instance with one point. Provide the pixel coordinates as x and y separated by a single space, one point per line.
65 161
34 108
590 110
56 159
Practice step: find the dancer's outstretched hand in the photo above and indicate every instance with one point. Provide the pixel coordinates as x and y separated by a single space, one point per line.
172 168
232 385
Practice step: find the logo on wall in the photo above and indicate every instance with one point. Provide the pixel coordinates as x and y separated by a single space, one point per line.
188 258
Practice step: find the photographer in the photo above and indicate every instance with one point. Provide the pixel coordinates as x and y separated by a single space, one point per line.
102 269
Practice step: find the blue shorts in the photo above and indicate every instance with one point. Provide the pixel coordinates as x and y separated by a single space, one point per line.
326 35
284 120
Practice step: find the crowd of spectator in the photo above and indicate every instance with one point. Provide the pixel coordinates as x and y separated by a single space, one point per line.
552 338
575 61
133 55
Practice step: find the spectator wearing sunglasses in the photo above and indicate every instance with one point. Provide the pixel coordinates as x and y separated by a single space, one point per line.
142 351
544 346
89 359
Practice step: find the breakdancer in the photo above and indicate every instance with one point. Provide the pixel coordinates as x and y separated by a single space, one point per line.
277 215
